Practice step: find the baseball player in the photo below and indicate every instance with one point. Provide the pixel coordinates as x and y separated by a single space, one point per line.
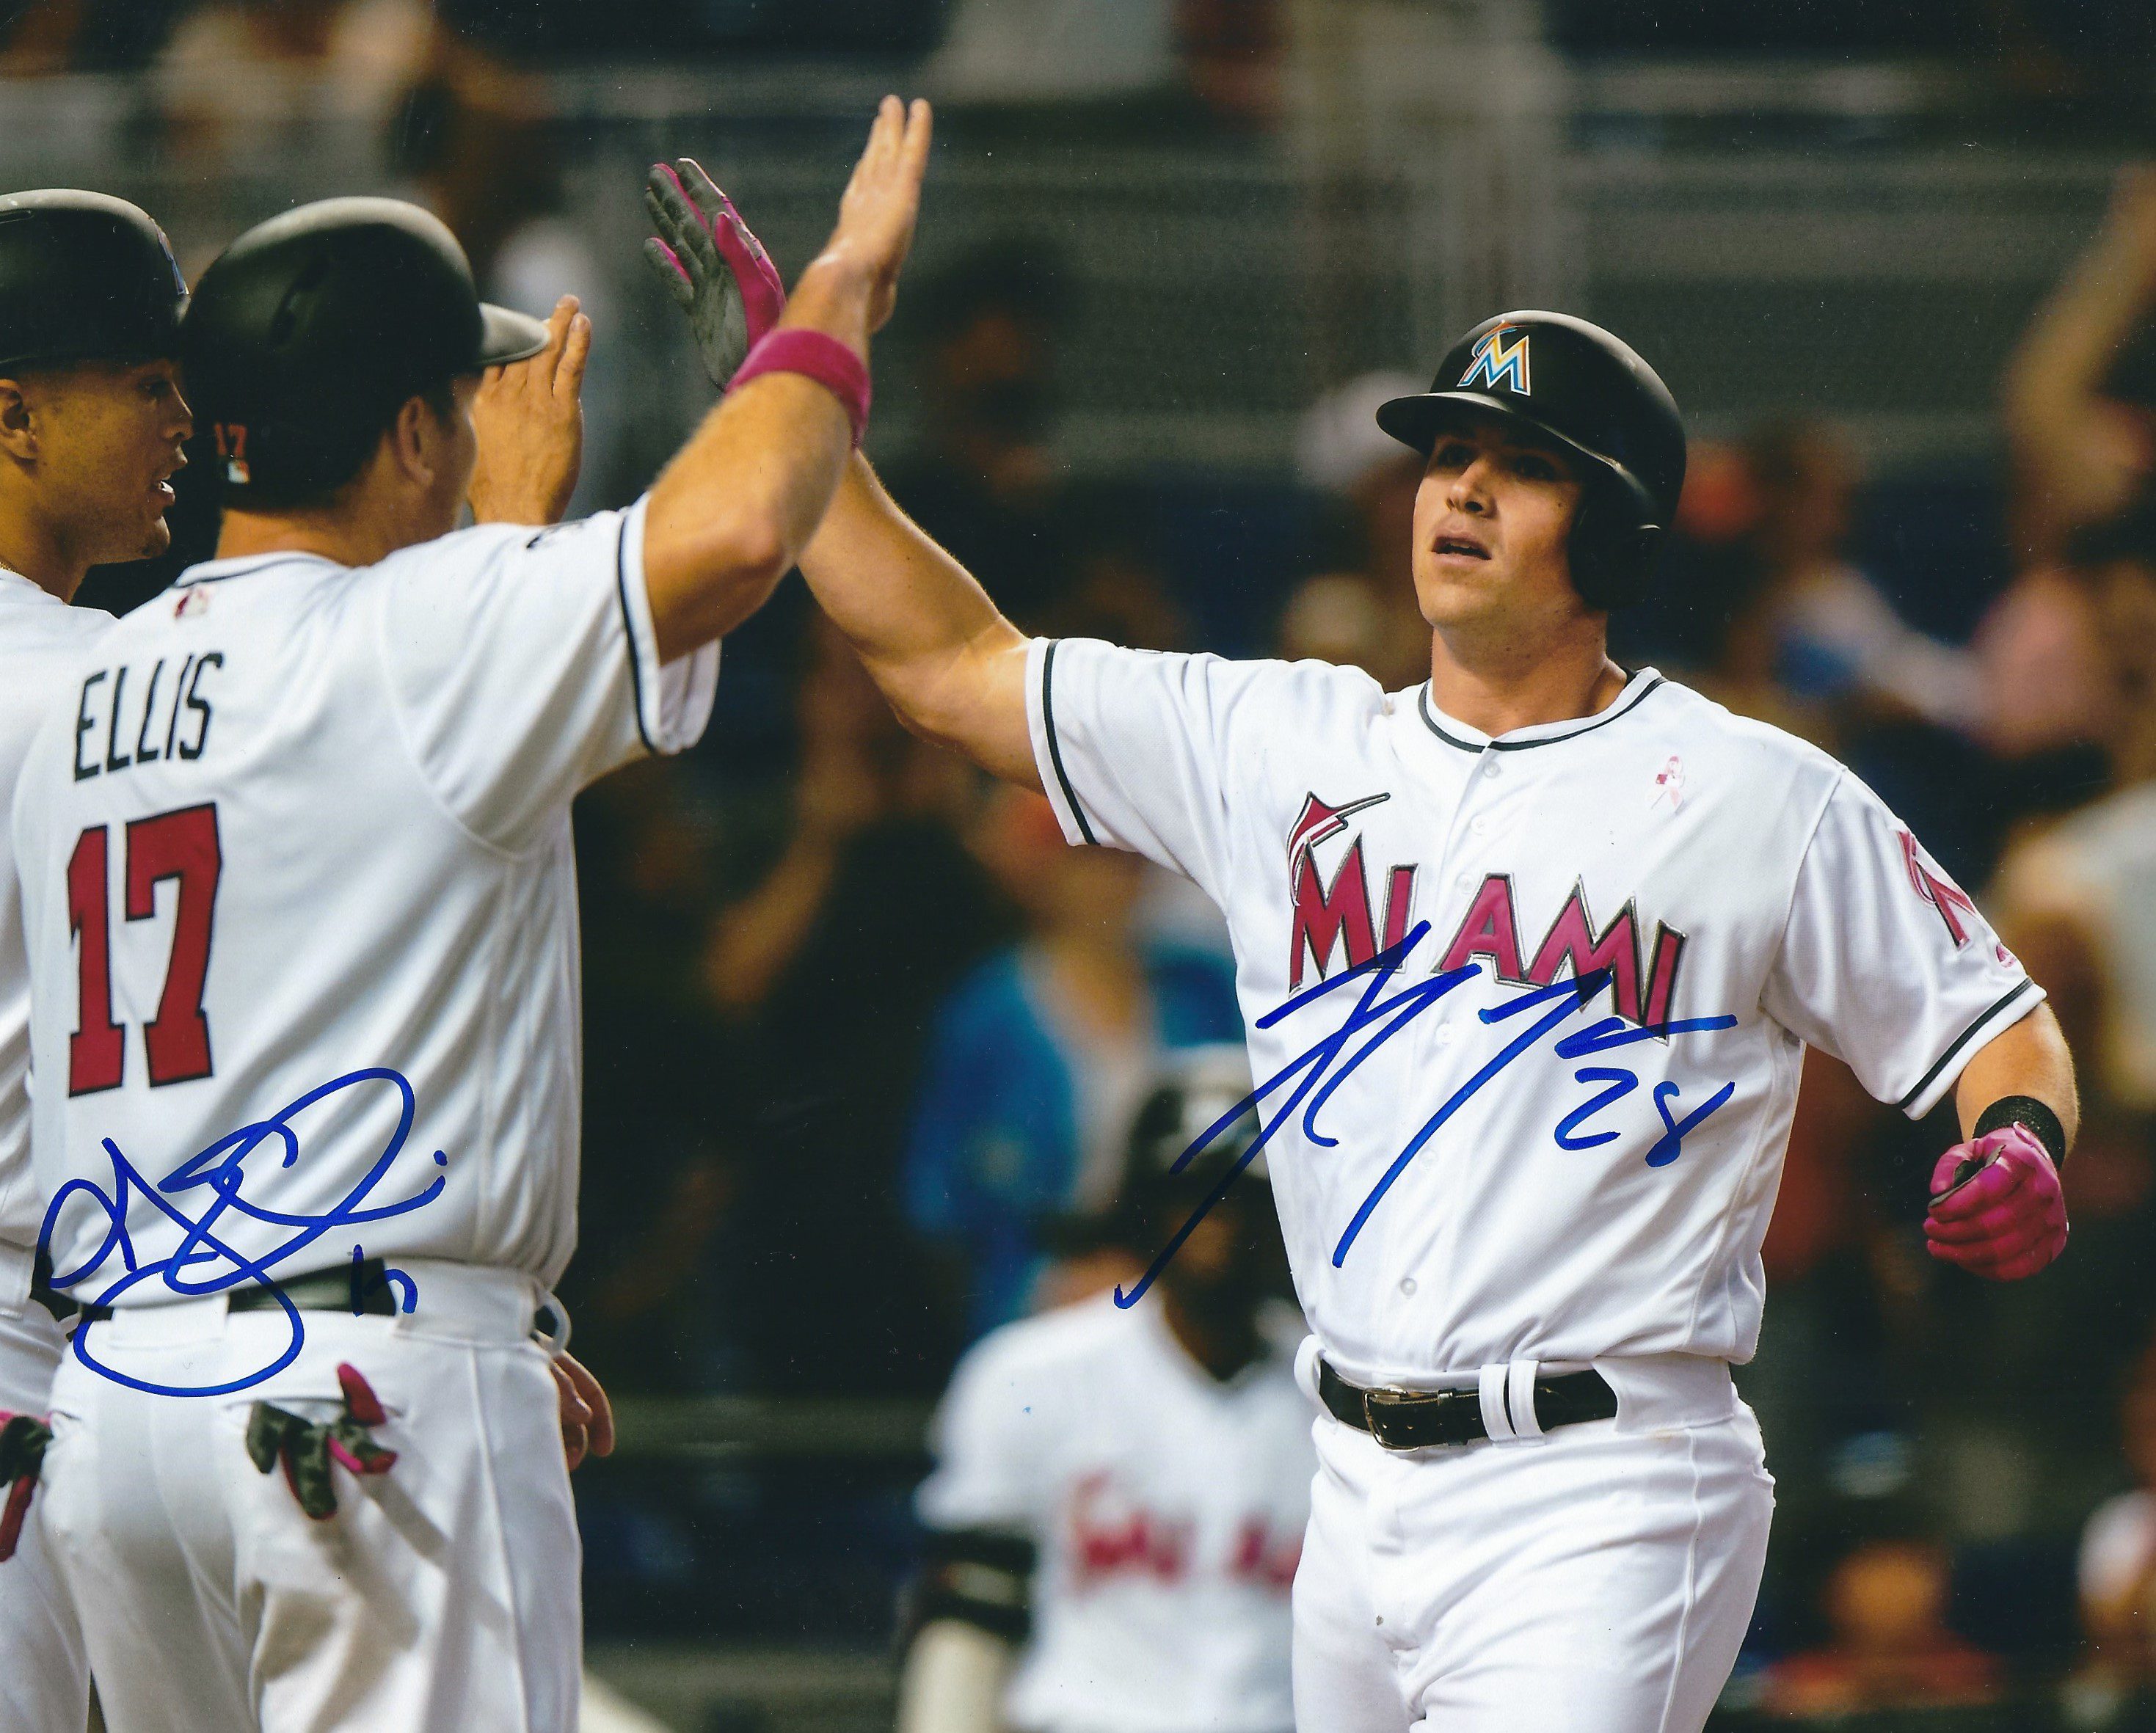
1119 1497
91 420
1529 955
300 909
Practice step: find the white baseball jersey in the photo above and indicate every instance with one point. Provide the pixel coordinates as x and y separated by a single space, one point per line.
41 639
45 1674
1167 1508
295 823
1489 1171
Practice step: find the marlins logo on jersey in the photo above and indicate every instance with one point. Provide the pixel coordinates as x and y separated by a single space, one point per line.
1500 364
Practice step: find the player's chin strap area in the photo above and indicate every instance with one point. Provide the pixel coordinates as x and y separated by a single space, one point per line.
1508 1403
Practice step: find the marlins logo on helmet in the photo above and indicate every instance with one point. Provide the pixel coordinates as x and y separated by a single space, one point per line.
1501 365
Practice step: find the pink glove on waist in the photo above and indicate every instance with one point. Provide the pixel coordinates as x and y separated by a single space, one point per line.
2010 1220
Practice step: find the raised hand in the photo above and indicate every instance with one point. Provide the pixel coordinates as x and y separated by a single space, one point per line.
881 202
713 266
530 419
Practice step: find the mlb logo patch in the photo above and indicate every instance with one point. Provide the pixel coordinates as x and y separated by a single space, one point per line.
192 600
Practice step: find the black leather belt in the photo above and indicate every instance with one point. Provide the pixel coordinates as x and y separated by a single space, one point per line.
361 1289
1416 1419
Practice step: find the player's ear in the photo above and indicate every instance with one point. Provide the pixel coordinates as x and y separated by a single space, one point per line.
416 440
18 434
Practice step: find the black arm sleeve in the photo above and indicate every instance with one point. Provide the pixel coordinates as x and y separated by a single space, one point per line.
978 1577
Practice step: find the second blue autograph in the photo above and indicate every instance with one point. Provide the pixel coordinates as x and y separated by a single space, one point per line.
1319 1071
209 1185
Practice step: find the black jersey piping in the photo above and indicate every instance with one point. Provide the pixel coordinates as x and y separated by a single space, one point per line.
1429 721
1962 1040
1054 746
628 629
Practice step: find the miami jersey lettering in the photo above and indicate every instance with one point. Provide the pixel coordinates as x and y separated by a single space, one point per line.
1491 1168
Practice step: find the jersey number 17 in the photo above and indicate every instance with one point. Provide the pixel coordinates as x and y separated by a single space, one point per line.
181 845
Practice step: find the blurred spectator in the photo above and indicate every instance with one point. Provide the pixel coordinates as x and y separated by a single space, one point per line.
827 969
985 481
235 74
1818 1378
2093 51
2079 900
1837 640
1888 1647
1054 50
2080 393
2116 1686
1364 612
1705 581
1041 1056
1116 587
647 1291
39 38
475 141
1232 53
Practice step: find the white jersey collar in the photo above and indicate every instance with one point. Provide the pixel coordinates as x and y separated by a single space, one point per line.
211 571
1455 733
16 588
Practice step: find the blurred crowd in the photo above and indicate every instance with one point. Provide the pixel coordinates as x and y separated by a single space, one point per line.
862 1031
2091 57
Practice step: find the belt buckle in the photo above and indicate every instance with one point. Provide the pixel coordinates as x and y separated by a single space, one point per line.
1377 1400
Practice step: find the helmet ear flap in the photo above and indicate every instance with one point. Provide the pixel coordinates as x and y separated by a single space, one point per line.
1612 552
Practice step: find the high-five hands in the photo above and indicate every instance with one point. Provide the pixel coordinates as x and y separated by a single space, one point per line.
719 273
716 269
530 419
882 203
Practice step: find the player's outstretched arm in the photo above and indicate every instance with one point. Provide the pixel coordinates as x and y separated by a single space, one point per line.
731 513
953 667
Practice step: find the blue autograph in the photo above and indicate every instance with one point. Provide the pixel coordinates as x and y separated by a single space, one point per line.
204 1263
1320 1077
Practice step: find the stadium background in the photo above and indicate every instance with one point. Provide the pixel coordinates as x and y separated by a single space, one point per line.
1157 235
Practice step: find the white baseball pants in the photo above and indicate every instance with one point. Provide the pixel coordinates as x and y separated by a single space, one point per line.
44 1674
1598 1579
441 1598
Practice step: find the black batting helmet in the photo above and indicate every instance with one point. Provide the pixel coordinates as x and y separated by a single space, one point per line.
308 333
1576 385
83 277
1197 1090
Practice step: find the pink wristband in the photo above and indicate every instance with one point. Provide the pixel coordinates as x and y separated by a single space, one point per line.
813 355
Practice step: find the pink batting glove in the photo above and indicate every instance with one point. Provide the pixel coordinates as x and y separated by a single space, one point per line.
2010 1220
715 268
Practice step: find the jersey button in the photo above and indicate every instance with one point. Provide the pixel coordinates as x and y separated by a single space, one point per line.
1407 1284
1465 881
1479 825
1490 767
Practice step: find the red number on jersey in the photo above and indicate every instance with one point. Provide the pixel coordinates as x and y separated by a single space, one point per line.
97 1051
181 845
